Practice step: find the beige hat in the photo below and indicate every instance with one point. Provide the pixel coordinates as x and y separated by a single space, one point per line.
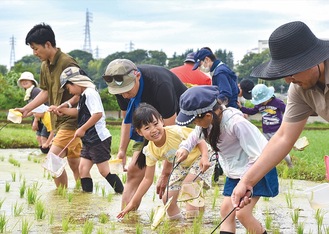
76 76
117 76
26 76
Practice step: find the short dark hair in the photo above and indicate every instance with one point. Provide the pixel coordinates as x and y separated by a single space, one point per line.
143 115
40 34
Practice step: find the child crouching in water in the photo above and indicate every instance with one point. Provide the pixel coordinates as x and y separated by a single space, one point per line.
95 137
162 145
239 142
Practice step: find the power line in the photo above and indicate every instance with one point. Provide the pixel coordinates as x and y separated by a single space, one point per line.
87 43
12 51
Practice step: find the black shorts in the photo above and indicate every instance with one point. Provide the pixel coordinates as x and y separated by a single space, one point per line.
98 153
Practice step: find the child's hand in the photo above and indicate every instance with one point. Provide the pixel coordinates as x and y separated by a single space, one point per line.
181 154
126 210
79 132
204 164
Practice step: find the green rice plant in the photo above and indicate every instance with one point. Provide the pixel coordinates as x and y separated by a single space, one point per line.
103 218
2 201
100 230
276 230
300 228
65 224
32 195
17 209
139 228
197 224
154 196
36 160
13 176
29 157
155 179
266 199
49 177
268 220
62 190
88 227
295 216
7 186
3 222
151 216
2 158
215 197
51 218
288 199
96 187
40 210
78 184
70 197
109 197
103 192
319 215
13 161
26 226
22 189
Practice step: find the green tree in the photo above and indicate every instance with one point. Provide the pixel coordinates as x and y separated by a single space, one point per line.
3 69
10 95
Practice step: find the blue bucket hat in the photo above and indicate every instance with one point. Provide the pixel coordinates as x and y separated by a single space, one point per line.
199 56
196 101
261 93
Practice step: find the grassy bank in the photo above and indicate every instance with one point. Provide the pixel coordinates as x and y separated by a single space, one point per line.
308 164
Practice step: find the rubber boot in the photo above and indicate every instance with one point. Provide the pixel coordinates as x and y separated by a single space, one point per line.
115 182
87 184
217 171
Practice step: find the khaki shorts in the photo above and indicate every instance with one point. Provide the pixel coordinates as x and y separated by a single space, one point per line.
63 137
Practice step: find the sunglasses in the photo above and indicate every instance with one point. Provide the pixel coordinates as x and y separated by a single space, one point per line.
118 78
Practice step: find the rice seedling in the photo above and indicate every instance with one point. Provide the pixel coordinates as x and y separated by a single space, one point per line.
3 222
276 230
78 184
17 209
139 228
36 160
7 186
40 210
62 190
29 158
88 227
151 216
266 199
26 226
288 199
268 220
103 218
154 196
51 218
155 179
20 176
1 202
13 176
124 178
215 197
13 161
295 216
22 189
96 187
65 224
109 197
70 197
103 192
319 215
300 228
112 226
197 224
32 195
100 230
2 158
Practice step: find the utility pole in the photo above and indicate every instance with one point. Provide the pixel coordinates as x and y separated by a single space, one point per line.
87 43
130 46
12 52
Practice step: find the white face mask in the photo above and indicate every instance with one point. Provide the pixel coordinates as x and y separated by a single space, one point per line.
203 68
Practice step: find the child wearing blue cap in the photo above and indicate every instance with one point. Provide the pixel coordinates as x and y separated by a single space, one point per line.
162 145
271 108
239 142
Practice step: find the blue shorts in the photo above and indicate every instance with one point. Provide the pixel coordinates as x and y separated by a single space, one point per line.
42 130
268 186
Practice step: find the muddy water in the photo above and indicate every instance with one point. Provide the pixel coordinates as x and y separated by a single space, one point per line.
78 207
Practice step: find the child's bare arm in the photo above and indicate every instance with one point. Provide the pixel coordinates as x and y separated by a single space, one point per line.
80 132
204 162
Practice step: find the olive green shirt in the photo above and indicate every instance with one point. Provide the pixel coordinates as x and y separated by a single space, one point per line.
50 81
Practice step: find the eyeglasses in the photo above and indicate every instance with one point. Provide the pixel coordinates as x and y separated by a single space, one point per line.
118 78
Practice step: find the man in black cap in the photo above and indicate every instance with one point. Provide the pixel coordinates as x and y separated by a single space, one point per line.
302 59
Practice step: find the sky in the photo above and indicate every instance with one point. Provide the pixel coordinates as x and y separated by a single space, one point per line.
172 26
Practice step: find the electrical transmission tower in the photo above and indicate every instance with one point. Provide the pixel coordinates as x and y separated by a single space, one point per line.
87 44
130 46
12 52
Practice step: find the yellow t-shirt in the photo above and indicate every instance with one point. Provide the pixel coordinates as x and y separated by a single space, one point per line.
174 136
46 120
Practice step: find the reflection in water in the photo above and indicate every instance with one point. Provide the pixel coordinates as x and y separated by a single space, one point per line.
73 208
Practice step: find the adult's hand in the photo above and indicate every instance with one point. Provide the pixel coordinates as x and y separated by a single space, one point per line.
122 155
241 195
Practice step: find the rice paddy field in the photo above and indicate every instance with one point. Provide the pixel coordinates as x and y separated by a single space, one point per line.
30 203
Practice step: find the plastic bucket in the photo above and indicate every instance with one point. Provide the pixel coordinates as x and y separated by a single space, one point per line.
116 166
318 196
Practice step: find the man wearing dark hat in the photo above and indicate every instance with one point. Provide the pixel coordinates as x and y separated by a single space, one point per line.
189 77
222 76
300 58
132 85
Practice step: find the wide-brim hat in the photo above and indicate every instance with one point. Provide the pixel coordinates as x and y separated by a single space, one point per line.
77 76
196 101
294 48
26 76
261 93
